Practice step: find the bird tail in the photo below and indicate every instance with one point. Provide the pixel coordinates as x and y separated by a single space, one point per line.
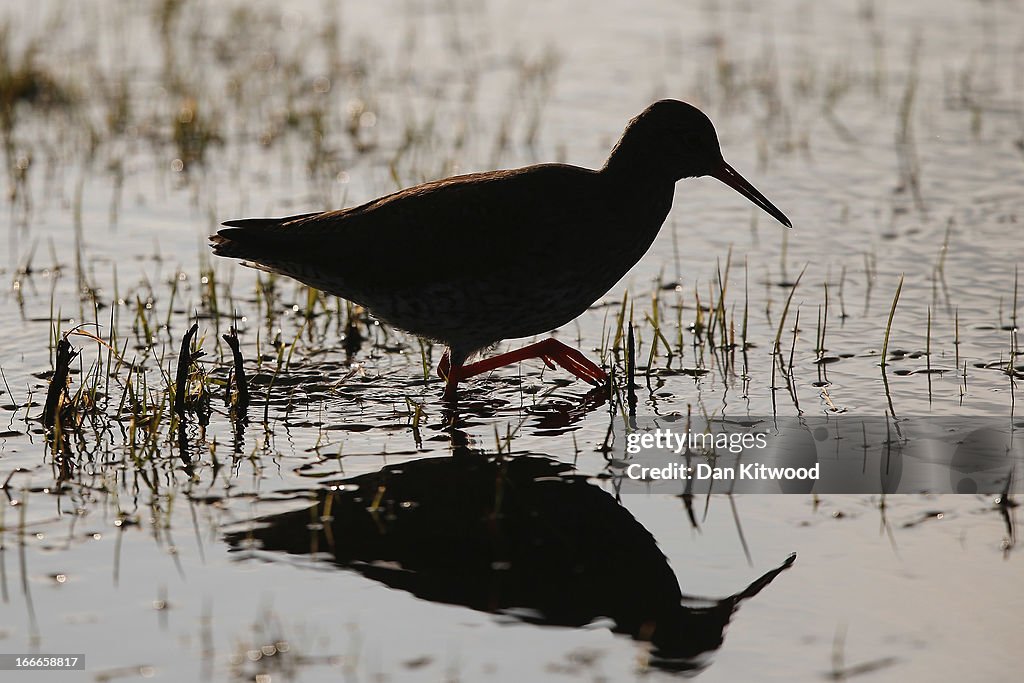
255 238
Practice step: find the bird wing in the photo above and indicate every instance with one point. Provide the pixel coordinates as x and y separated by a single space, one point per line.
453 230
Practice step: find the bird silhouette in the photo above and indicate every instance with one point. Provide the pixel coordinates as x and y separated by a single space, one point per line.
473 259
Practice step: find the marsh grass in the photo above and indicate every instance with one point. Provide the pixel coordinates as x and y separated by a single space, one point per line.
777 344
288 120
326 103
145 391
888 324
25 83
331 118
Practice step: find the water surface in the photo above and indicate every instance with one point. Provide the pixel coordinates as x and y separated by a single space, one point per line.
891 136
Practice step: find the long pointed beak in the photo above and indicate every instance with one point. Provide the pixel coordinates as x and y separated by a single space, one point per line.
728 175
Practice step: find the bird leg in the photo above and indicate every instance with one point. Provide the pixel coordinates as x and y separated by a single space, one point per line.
445 365
444 371
550 350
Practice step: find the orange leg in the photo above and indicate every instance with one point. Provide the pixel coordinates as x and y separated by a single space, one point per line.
444 367
444 371
551 351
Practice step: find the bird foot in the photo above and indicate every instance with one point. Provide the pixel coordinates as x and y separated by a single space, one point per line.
551 351
558 354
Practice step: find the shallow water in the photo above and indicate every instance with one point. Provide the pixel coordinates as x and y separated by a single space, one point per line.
891 136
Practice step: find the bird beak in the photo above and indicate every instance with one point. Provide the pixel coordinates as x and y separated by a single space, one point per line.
728 175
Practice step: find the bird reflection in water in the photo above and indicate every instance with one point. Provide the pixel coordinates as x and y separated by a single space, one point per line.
520 535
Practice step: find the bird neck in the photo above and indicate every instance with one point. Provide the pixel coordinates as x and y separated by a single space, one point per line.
635 176
633 162
640 199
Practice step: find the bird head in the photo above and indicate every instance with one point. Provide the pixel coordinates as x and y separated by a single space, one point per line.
675 139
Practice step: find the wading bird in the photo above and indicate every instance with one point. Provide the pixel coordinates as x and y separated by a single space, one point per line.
474 259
